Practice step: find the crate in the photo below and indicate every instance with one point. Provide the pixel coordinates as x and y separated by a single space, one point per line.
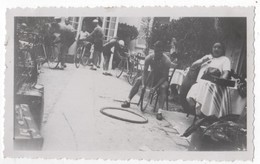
34 97
27 135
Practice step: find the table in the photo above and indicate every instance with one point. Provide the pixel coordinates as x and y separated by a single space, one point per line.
178 76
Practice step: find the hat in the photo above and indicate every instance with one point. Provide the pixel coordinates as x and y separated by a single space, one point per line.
95 21
121 43
57 17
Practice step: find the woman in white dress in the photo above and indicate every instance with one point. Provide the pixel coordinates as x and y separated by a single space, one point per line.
205 92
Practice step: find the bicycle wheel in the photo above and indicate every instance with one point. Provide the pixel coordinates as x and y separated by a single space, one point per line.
143 103
77 57
120 68
53 60
147 96
133 75
85 57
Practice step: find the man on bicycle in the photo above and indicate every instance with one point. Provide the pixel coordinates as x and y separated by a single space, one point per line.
82 39
118 45
160 65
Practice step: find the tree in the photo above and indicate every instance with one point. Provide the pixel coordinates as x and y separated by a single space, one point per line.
126 32
33 24
161 32
194 36
147 31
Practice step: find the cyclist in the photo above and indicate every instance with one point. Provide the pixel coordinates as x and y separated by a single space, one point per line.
118 45
82 40
160 65
66 38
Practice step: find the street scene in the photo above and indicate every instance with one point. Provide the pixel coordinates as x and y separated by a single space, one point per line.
130 84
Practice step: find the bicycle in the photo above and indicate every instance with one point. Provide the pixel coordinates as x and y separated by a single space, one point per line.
82 54
53 52
136 68
39 49
26 67
229 132
47 54
152 96
132 65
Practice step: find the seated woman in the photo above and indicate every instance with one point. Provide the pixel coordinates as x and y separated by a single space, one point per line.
205 97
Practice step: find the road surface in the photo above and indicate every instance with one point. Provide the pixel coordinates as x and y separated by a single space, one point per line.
73 122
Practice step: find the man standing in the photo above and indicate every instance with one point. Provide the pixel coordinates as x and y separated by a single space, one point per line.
118 45
160 65
96 37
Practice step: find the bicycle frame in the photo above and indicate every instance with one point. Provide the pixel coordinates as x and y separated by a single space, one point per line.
80 54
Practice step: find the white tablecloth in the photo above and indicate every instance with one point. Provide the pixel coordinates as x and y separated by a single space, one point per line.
178 76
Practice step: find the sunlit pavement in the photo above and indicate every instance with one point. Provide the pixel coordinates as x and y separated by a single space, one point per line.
73 122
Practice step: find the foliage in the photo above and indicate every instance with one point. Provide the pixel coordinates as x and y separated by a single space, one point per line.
227 26
126 32
33 24
161 32
195 37
147 31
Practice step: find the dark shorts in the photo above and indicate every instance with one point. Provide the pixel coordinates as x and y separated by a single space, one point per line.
67 38
153 80
98 46
107 53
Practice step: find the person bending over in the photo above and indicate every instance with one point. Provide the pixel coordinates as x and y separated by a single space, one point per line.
118 45
66 39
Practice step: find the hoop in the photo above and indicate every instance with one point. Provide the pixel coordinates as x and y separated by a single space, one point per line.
102 110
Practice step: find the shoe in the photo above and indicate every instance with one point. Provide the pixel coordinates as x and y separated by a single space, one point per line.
60 67
109 74
171 98
125 104
98 66
105 73
93 68
159 116
64 65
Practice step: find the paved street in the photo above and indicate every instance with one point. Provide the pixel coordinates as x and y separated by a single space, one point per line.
73 122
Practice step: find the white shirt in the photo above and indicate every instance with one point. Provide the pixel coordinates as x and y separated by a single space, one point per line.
222 63
83 35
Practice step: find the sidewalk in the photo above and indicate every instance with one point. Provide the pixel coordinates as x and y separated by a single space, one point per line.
179 121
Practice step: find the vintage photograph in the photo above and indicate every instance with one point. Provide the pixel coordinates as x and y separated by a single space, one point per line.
123 83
